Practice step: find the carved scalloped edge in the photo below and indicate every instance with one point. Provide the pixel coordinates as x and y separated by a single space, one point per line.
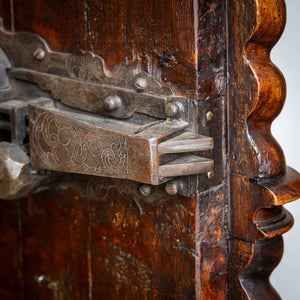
268 87
264 258
276 193
284 190
278 185
268 91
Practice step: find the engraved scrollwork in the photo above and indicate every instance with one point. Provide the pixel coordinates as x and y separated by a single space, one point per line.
60 143
86 66
81 79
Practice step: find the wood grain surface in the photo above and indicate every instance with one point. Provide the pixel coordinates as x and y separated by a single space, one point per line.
79 240
108 245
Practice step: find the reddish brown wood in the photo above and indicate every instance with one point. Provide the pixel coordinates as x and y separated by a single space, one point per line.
259 181
163 251
142 252
254 152
6 13
106 243
64 27
55 246
254 264
211 244
10 251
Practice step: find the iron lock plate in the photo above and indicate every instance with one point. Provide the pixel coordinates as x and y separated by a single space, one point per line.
86 119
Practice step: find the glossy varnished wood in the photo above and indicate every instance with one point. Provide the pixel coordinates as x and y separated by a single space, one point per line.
94 241
120 248
11 274
259 180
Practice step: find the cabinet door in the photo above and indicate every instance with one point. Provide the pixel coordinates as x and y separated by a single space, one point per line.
200 235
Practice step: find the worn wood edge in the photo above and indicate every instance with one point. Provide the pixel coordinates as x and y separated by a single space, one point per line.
212 264
284 190
277 225
255 267
255 254
268 88
277 193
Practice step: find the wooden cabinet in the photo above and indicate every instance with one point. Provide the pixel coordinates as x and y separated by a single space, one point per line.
216 236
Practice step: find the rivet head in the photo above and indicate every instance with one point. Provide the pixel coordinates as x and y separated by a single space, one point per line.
140 84
174 109
39 54
146 190
210 175
209 116
41 279
173 187
112 103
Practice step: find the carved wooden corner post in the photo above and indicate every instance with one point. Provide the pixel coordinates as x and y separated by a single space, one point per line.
260 182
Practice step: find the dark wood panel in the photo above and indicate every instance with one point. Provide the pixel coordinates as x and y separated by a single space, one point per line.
143 251
160 34
61 23
5 13
135 250
10 251
210 20
55 238
211 244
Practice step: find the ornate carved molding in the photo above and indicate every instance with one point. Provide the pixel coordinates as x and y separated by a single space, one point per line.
268 88
260 181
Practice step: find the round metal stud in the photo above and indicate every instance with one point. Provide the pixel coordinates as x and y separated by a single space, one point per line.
112 103
173 187
173 109
39 54
209 116
210 175
140 84
41 279
145 190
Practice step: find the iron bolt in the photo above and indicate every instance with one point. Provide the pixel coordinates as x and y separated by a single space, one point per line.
210 175
174 109
112 103
173 187
39 54
145 190
140 83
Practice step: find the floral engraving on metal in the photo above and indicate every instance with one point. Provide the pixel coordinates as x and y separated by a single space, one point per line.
86 66
81 79
61 144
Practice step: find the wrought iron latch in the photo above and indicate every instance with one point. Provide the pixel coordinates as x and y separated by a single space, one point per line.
79 117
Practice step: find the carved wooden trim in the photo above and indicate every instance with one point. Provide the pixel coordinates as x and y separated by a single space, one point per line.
260 182
268 88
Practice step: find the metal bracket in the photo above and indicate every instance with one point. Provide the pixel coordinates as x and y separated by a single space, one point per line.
121 124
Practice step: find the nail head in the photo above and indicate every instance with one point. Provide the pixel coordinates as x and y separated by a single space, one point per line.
112 103
173 109
145 190
209 116
173 187
140 83
39 54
